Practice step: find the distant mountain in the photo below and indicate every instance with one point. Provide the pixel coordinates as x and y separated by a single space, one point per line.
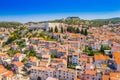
110 19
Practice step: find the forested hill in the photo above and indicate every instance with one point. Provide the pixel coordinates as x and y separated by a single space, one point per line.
110 19
10 24
93 23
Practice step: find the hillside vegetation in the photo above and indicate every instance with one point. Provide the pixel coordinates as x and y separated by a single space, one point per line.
9 24
90 23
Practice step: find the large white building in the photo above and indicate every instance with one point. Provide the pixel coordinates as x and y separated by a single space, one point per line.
45 26
45 72
53 25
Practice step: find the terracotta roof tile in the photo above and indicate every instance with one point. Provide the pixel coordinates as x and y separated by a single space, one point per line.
8 73
90 72
101 57
105 77
18 64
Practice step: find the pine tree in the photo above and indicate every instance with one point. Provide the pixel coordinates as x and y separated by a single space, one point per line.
56 29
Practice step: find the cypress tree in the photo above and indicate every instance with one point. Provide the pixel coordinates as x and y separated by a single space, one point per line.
85 32
56 29
77 30
62 30
82 32
102 49
51 29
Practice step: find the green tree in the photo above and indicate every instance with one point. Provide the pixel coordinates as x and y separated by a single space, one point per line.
82 32
56 29
62 30
77 30
8 66
85 32
39 78
53 55
64 37
10 52
31 53
71 29
21 43
101 49
90 48
91 53
104 48
52 37
51 29
42 34
24 61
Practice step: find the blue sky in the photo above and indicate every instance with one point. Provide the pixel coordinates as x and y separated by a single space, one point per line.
40 10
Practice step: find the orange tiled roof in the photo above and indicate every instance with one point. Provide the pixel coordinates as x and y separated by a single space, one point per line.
57 33
91 72
18 64
9 73
117 57
83 59
77 79
116 54
46 50
18 54
1 66
3 70
33 59
105 77
117 61
57 59
101 57
114 76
